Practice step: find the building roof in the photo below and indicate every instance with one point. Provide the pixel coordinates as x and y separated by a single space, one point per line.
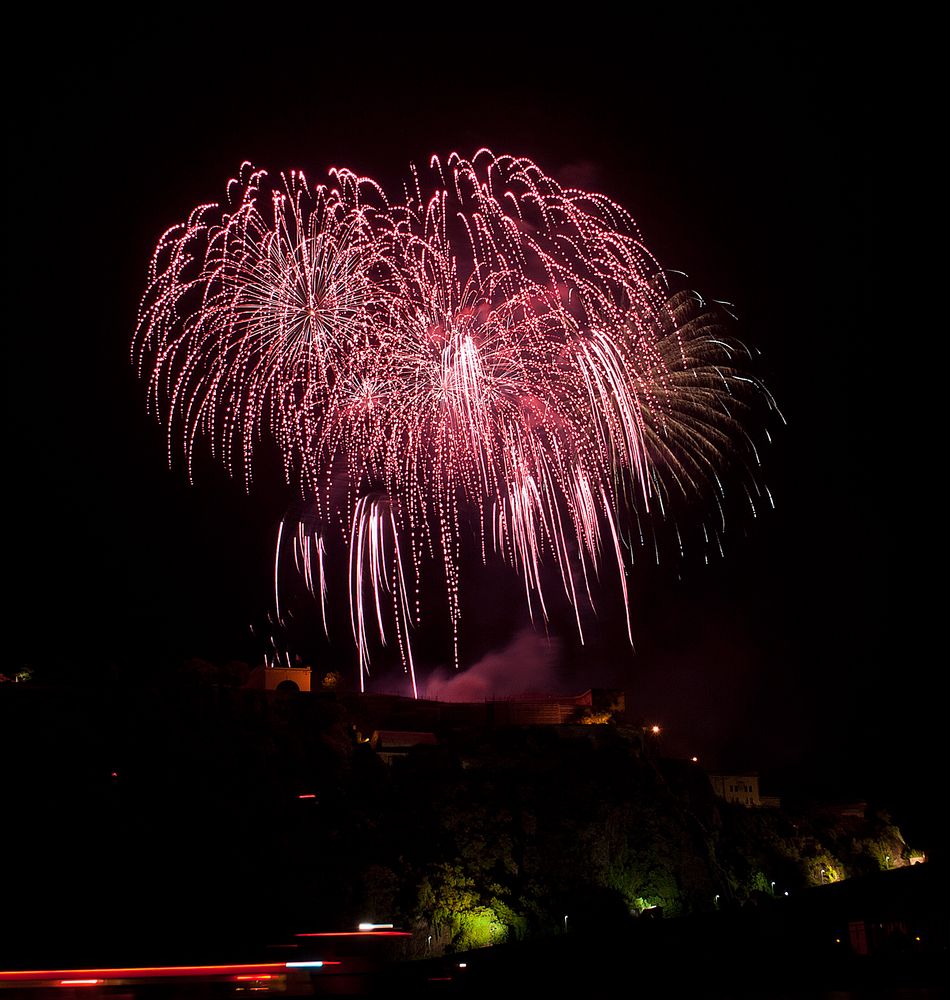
392 739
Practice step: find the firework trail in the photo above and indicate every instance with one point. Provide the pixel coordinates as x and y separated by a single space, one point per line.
489 350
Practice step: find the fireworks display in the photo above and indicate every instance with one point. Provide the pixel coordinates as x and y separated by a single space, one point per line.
487 357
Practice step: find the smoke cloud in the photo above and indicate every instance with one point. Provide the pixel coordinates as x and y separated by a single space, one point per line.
528 663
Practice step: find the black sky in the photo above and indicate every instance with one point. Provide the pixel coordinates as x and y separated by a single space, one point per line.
740 142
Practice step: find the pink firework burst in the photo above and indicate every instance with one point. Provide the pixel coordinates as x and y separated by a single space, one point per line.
491 351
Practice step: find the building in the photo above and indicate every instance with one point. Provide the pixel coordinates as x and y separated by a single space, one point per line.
391 743
272 678
743 789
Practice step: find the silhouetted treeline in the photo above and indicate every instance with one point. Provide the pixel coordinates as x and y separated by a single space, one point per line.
243 812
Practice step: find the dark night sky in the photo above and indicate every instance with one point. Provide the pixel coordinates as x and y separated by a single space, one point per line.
738 140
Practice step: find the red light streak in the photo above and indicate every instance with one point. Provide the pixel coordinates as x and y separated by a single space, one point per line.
253 971
338 934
